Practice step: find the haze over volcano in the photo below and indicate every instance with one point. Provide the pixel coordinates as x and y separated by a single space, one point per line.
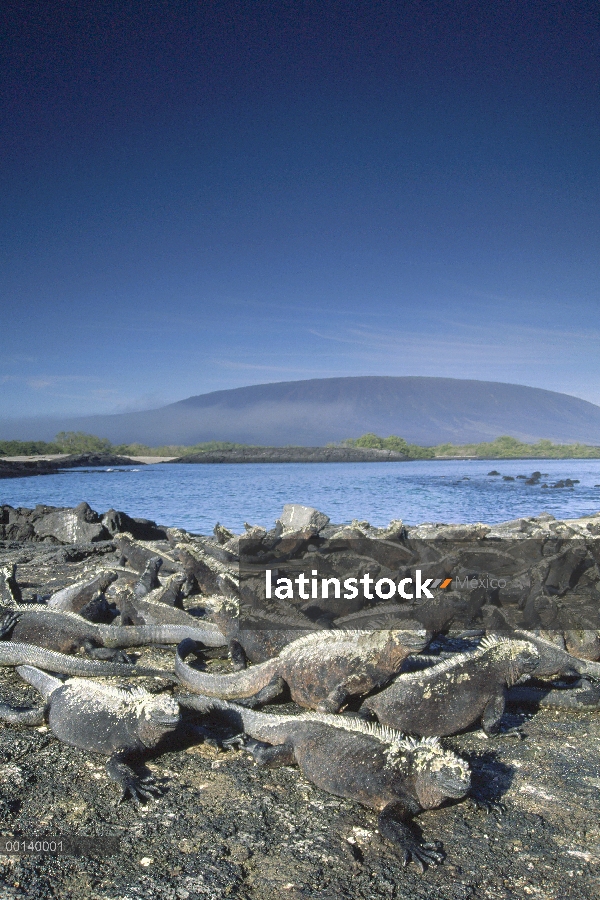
422 410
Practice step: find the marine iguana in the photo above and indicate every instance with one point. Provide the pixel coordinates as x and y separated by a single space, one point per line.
553 660
321 669
455 693
99 610
210 575
377 766
148 580
136 555
10 592
172 592
14 653
434 615
562 652
74 597
67 632
120 723
147 611
257 635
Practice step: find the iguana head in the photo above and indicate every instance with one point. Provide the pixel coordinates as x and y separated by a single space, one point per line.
525 660
157 715
414 638
394 642
520 657
438 774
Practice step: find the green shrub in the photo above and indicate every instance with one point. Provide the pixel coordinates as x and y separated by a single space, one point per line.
504 447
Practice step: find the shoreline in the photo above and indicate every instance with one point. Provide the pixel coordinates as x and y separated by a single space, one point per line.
384 456
44 466
50 457
51 464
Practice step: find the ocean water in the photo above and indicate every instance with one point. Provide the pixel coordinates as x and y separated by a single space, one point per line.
195 497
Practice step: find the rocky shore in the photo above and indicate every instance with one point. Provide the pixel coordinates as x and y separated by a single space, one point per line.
226 828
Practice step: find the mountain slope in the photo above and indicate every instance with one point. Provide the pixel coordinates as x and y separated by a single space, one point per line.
310 413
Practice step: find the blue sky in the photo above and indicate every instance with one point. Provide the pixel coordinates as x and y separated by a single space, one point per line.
202 196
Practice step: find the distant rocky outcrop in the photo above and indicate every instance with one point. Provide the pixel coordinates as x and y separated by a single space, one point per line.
85 460
23 468
10 469
292 455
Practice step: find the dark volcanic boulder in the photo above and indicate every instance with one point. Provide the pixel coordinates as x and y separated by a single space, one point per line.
72 526
51 524
15 524
117 522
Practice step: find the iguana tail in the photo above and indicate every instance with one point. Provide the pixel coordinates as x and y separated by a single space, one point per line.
41 681
256 724
15 654
229 687
141 635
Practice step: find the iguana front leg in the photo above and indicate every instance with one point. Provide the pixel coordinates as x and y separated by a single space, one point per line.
493 712
271 691
263 754
237 655
118 656
393 824
137 787
334 700
482 804
23 715
7 623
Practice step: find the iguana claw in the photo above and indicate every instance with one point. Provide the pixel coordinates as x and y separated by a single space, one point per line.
238 740
426 853
423 855
517 733
139 788
487 806
7 623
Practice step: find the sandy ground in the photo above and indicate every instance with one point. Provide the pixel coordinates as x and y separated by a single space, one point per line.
152 459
